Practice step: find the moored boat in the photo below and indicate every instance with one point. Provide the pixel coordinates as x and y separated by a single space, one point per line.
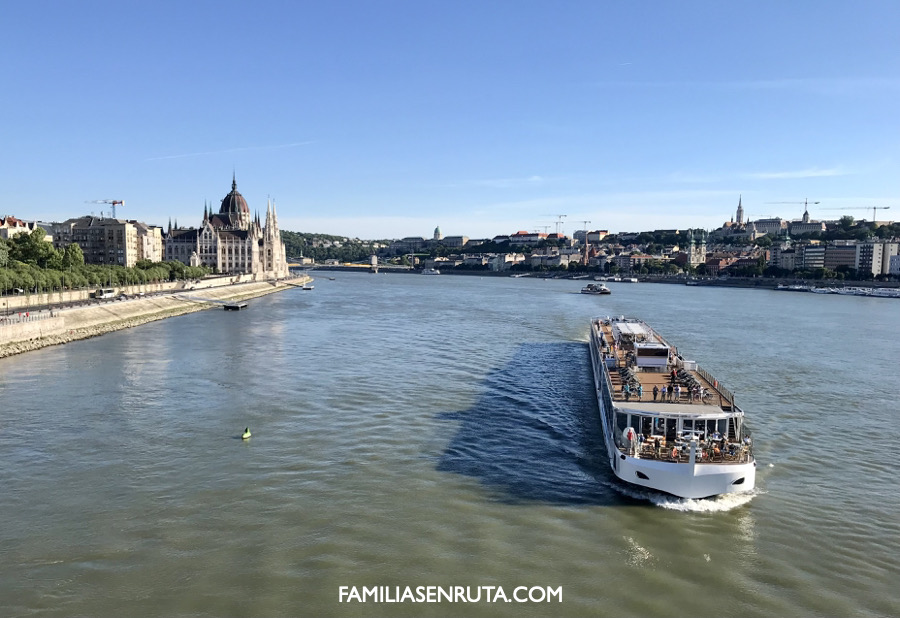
886 293
668 425
793 288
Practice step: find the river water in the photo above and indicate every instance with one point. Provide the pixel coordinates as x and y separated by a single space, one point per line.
442 431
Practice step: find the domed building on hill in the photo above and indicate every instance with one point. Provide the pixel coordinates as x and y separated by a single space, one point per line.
231 241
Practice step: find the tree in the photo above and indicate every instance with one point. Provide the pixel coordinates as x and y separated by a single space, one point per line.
846 222
72 256
763 241
32 248
322 247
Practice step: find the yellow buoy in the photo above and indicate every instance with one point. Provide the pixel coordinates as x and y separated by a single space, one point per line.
246 435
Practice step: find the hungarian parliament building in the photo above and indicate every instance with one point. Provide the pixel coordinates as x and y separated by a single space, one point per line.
231 241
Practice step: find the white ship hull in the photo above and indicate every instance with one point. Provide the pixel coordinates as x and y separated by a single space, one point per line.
691 470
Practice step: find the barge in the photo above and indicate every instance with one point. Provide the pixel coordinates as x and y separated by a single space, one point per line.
668 424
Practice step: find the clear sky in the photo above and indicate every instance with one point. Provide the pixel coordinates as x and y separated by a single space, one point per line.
384 118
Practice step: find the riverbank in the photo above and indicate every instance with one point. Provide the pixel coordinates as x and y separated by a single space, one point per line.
765 283
60 326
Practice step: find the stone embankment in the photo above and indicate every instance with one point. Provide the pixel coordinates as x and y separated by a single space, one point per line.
65 325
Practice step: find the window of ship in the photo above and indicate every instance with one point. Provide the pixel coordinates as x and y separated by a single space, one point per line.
621 424
658 426
652 351
711 426
671 430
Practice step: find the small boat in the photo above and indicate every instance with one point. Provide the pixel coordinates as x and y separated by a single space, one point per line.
793 288
246 435
431 271
854 291
595 288
691 442
307 287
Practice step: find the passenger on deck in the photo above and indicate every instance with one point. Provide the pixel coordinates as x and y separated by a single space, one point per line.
656 391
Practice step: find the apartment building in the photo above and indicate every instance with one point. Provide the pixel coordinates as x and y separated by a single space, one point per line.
110 241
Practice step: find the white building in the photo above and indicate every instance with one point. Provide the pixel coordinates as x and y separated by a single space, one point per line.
874 256
232 241
805 225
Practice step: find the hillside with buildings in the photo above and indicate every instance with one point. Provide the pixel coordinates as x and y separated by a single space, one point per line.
802 248
232 240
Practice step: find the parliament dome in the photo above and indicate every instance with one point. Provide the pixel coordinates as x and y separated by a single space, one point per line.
234 203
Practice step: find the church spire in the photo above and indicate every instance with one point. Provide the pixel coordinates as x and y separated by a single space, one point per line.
274 216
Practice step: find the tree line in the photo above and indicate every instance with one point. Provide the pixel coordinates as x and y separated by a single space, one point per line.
30 263
321 247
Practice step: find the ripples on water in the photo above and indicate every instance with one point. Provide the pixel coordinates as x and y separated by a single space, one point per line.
442 430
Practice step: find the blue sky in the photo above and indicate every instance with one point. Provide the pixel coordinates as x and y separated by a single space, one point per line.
384 119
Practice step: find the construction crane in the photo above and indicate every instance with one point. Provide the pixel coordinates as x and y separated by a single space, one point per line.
110 202
804 202
875 209
559 220
584 224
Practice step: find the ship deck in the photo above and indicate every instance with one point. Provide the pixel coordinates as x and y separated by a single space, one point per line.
717 398
643 359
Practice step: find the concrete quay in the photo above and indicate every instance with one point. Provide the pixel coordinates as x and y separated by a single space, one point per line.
59 326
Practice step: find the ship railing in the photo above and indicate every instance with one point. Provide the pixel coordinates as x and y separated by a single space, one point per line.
706 454
724 392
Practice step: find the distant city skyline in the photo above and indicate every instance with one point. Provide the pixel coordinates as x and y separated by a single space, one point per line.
383 121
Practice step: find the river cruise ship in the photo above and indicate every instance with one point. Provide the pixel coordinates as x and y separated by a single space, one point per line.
668 424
